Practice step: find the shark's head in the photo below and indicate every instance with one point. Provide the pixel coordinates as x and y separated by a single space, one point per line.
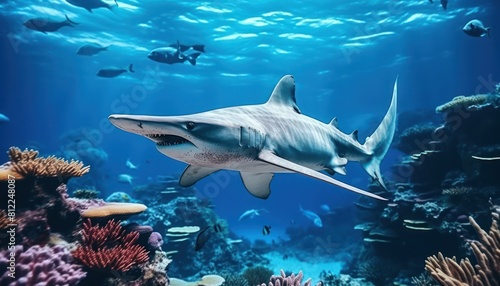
200 139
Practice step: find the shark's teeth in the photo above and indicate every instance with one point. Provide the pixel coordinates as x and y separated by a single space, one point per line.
167 139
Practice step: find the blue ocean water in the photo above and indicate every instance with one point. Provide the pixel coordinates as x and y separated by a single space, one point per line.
344 55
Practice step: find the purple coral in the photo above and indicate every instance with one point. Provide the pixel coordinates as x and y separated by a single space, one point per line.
40 266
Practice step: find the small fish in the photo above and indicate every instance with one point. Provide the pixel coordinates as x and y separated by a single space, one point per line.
249 214
45 25
266 230
183 48
4 118
172 55
217 227
130 165
475 28
292 221
285 257
114 71
91 4
312 216
325 208
91 49
125 178
202 238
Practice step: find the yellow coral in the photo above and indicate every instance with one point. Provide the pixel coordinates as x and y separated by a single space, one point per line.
27 164
464 101
487 252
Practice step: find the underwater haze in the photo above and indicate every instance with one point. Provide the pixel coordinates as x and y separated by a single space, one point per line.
345 57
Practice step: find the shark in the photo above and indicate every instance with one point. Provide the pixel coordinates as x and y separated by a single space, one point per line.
263 139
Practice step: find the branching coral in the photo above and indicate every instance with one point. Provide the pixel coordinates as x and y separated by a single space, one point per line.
292 280
109 248
487 252
27 164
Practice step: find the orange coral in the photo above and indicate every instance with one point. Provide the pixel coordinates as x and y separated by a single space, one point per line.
27 163
109 248
487 252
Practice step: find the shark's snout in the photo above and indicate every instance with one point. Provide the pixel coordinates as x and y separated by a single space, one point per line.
163 132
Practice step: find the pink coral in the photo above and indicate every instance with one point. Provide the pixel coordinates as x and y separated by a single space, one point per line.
291 280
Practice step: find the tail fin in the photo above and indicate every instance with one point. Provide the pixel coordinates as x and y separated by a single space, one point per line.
199 48
130 68
192 58
488 32
70 22
184 48
378 143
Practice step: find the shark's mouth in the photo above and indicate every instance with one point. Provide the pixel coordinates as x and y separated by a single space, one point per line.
168 140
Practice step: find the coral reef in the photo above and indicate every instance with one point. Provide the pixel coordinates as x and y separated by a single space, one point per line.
81 145
114 210
27 164
119 197
207 280
39 266
86 194
283 280
487 253
462 101
257 275
234 280
109 248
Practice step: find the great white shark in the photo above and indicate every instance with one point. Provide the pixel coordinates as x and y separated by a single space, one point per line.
260 140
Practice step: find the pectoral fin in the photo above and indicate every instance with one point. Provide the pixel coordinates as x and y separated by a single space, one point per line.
193 174
271 158
257 183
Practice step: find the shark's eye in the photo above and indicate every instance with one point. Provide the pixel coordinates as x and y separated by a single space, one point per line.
190 126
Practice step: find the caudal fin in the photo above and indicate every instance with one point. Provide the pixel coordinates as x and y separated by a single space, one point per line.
199 48
378 143
192 58
71 23
130 68
488 32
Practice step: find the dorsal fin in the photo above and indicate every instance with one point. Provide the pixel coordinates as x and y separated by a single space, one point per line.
354 135
334 122
284 94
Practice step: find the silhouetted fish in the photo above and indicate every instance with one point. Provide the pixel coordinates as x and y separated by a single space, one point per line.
114 71
202 238
476 28
45 25
266 230
91 49
91 4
